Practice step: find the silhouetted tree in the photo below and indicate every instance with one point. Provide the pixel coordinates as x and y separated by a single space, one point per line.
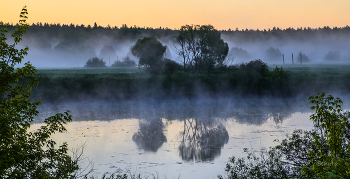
332 56
273 54
171 66
26 152
239 54
95 62
201 47
150 53
302 58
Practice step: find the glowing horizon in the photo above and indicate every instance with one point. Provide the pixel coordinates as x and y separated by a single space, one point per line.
222 14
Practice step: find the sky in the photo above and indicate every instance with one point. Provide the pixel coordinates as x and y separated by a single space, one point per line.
222 14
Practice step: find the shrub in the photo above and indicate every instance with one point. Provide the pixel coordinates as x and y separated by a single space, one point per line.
323 152
171 66
95 62
127 62
255 65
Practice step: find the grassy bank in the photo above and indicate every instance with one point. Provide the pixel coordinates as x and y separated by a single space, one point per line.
120 83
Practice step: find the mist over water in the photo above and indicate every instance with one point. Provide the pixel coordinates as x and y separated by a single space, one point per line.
186 138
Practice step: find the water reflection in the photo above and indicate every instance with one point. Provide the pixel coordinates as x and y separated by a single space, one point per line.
202 140
258 114
249 111
150 136
174 131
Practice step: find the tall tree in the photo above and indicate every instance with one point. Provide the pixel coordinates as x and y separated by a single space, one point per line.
150 53
201 47
26 154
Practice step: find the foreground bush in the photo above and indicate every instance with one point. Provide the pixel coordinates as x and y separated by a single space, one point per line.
323 152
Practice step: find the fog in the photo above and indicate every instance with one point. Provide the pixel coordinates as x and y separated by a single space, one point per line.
57 47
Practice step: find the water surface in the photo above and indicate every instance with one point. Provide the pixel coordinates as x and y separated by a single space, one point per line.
177 138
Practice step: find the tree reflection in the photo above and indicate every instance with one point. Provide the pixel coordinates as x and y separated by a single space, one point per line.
150 135
202 140
258 114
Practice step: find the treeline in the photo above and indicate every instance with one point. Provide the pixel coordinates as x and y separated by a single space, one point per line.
79 32
76 32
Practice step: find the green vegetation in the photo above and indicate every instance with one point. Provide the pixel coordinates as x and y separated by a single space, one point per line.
323 152
150 53
201 47
127 62
95 62
249 79
26 154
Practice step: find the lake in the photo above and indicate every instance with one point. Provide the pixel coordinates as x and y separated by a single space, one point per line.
174 138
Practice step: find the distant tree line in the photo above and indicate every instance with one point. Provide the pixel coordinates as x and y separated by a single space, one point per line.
125 26
79 33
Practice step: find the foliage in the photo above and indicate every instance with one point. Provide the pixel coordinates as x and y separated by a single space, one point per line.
331 138
95 62
126 83
201 47
277 73
268 165
256 65
26 154
320 153
127 62
171 66
150 53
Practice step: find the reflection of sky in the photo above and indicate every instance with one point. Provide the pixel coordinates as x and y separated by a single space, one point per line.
110 146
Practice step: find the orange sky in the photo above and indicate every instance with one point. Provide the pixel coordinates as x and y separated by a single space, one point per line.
223 14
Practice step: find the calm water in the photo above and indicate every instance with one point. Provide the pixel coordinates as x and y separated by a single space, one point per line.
178 138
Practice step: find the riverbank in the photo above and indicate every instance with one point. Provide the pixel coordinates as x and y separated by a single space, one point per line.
117 83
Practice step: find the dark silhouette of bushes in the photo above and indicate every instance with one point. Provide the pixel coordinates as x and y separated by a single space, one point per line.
127 62
171 66
95 62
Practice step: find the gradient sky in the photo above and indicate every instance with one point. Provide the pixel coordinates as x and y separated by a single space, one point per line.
222 14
